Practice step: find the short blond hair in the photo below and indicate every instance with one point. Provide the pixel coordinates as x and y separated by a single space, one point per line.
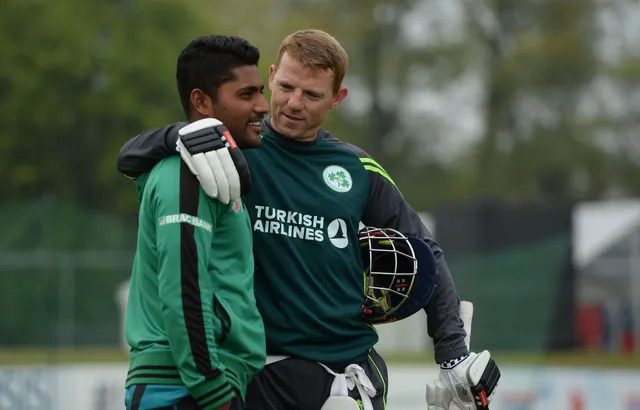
317 49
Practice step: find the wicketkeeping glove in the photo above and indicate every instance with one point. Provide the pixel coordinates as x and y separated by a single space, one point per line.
210 152
466 384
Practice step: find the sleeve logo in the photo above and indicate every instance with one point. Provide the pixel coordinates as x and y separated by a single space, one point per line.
185 218
337 178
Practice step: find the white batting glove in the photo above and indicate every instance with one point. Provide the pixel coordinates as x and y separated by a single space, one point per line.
439 397
464 384
210 152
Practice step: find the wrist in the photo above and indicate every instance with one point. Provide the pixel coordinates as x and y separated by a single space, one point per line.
451 363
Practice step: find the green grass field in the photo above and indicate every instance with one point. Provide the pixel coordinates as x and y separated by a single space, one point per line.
109 354
59 355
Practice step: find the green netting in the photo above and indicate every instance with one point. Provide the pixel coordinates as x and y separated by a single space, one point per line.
514 291
48 224
60 266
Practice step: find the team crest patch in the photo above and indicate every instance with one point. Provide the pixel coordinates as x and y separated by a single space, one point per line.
337 178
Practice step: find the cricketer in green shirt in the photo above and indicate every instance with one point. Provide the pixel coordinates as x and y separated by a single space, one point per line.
191 317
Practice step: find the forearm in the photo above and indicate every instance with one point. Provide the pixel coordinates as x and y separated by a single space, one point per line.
444 324
142 152
387 208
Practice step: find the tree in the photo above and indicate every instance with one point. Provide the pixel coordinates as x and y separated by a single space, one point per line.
79 78
540 141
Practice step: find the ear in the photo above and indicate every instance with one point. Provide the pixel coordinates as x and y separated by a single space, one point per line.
201 103
340 95
272 72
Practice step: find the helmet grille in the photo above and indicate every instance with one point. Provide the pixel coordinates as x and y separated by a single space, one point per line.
390 266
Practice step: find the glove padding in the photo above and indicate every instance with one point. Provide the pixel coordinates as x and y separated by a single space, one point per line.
469 385
439 397
210 152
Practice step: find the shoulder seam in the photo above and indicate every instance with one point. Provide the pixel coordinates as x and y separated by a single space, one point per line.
368 163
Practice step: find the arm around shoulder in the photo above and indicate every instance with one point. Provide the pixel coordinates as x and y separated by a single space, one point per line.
142 152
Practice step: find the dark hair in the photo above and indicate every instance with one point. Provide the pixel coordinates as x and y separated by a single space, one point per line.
206 63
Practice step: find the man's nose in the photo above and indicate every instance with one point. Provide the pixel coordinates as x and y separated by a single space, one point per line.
295 100
261 106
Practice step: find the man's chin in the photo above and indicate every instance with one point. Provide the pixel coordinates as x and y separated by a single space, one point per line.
288 131
250 140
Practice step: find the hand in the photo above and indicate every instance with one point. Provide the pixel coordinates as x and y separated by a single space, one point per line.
210 152
467 385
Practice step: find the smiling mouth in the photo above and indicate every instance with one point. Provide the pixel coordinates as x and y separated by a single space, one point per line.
289 117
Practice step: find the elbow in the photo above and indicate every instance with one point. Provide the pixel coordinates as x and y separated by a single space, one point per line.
124 165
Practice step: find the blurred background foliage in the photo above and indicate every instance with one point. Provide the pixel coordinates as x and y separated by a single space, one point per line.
458 99
544 112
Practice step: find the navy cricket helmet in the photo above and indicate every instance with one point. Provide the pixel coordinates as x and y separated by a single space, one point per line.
400 274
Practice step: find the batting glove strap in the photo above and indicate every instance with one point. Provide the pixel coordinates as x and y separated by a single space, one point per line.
472 381
206 139
242 168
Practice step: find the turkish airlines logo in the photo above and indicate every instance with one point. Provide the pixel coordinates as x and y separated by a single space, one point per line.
337 233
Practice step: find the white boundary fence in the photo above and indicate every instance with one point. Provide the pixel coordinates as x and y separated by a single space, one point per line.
100 387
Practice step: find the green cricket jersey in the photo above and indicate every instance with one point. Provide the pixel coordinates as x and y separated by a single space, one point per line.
306 203
191 316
